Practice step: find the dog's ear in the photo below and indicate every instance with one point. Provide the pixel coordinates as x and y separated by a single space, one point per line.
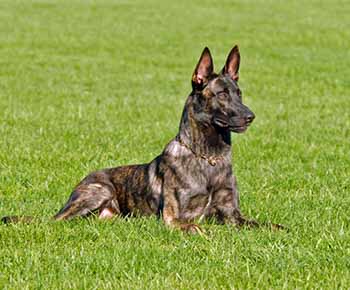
231 67
203 69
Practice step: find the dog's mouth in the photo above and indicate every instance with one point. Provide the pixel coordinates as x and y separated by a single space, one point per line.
232 126
221 122
238 129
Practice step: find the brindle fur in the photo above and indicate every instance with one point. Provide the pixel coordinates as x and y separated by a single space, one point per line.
181 184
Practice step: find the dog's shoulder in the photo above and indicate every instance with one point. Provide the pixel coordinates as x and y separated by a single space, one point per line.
174 149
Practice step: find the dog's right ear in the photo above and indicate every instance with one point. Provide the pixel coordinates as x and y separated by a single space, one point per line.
203 70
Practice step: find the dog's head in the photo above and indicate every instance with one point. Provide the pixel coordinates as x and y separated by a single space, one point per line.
217 97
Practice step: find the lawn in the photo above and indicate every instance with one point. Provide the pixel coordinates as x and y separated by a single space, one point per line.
86 85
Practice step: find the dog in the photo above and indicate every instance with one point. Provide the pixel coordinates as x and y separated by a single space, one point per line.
193 178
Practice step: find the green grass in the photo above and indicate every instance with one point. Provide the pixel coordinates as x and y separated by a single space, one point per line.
92 84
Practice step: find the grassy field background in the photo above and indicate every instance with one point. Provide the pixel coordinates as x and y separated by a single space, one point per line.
93 84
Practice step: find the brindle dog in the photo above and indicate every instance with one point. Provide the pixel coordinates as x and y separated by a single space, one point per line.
192 179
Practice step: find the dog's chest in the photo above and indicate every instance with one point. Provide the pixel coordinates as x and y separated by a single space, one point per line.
200 178
197 181
196 172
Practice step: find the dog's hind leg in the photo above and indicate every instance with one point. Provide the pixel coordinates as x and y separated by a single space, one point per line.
90 198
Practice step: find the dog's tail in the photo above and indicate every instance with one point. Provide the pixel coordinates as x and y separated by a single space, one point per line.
17 219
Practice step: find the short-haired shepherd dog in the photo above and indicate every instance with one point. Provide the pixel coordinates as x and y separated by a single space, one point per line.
193 178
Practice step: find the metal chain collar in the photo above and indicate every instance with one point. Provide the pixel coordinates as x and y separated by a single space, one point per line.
212 160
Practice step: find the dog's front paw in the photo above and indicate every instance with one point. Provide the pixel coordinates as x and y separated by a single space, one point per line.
192 229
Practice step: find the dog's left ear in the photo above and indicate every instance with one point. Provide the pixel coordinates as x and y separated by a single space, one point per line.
203 70
232 64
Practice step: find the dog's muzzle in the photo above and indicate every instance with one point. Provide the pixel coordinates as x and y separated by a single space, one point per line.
242 124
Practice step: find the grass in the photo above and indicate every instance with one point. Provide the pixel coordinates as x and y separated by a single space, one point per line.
93 84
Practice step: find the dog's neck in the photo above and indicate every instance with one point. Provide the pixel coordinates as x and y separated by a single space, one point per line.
204 138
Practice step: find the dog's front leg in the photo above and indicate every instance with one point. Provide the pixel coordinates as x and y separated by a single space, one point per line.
171 212
226 201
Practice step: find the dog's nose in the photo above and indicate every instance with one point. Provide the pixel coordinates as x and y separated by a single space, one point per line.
250 117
